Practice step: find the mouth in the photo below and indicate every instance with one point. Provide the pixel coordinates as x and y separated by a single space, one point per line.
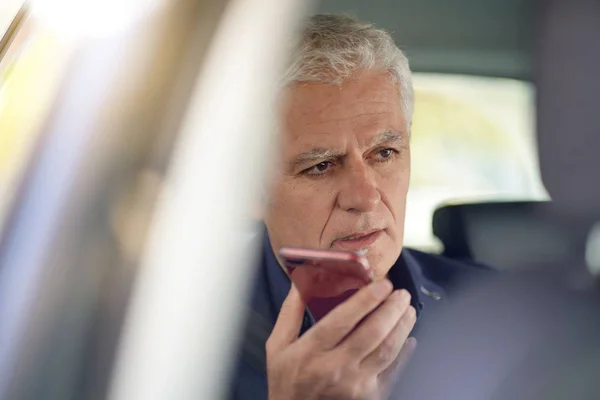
357 241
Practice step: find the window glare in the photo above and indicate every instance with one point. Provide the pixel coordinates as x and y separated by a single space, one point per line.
8 11
473 139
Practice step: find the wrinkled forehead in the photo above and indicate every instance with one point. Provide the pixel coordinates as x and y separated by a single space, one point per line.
373 86
369 101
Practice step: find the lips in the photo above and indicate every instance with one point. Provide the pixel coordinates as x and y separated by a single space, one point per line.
357 241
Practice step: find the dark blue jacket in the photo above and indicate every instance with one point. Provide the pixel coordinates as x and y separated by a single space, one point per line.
428 278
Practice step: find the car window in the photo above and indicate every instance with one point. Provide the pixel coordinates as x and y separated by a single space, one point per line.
473 139
8 11
26 94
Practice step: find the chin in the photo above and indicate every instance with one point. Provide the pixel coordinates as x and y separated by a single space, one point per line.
383 256
381 263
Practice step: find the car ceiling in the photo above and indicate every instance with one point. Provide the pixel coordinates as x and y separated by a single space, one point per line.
478 37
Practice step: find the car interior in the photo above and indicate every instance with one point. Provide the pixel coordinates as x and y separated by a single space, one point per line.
491 40
102 137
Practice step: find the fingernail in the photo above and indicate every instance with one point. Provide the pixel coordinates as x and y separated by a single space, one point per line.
409 347
382 288
400 296
411 343
411 313
403 296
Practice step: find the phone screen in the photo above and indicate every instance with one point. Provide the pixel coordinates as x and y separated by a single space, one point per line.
324 278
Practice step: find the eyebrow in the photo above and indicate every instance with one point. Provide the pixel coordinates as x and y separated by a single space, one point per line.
388 137
318 153
315 155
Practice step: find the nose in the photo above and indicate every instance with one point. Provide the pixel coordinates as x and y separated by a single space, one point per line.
359 192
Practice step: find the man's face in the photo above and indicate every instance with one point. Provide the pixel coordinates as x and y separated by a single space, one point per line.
344 169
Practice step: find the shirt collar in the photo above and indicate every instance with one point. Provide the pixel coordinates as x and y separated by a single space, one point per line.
406 273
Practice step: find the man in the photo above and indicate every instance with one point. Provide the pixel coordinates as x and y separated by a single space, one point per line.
340 183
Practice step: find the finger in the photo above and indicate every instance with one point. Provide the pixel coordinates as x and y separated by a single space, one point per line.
387 351
409 348
388 377
375 330
399 365
288 323
336 325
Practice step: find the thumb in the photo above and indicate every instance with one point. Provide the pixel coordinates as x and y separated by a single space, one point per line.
289 322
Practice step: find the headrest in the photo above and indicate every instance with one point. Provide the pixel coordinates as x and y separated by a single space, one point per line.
567 76
510 235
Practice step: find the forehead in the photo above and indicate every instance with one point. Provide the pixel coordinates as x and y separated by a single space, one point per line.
368 103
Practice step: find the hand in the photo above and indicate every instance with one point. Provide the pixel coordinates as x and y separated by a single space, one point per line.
352 353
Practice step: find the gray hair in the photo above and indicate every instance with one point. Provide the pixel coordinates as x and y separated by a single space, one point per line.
333 47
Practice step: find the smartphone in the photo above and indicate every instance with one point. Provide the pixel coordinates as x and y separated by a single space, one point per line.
325 278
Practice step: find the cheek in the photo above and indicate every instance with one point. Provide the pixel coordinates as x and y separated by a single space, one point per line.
394 187
297 213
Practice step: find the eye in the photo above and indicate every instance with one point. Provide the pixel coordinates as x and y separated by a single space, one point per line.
322 166
385 154
318 169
